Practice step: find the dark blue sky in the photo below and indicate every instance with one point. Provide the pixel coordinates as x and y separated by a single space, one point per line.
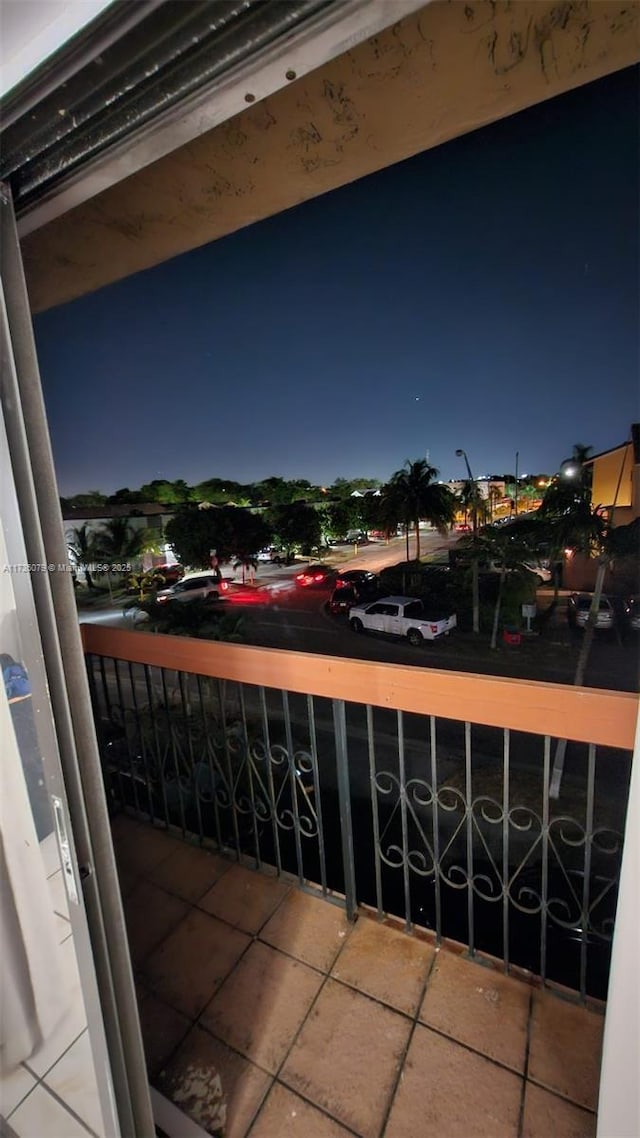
482 295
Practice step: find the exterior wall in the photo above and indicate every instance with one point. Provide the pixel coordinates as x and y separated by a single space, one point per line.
448 69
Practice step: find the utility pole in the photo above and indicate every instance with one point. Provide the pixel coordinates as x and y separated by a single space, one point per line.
515 497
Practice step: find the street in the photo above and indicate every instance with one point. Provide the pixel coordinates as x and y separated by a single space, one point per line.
277 613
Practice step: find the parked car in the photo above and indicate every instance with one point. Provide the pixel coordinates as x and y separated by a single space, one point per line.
539 569
462 527
315 575
401 616
203 587
632 613
272 556
579 607
357 536
170 573
343 599
363 581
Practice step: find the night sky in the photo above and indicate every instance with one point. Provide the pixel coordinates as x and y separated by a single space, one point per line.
482 295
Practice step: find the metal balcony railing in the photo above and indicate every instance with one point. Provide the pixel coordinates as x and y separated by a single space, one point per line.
420 792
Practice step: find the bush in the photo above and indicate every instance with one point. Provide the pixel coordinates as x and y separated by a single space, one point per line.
197 618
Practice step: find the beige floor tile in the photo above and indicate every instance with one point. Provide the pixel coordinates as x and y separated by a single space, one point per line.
13 1088
150 915
162 1028
189 966
286 1114
565 1048
446 1089
244 898
260 1007
58 892
74 1021
189 871
73 1079
139 846
546 1115
309 928
479 1007
41 1114
347 1056
210 1083
385 963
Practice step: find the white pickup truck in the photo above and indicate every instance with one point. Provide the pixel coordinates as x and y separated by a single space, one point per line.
400 616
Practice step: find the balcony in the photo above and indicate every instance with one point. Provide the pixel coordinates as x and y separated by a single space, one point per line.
350 910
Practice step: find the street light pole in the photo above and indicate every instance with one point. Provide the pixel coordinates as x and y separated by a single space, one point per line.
516 493
474 564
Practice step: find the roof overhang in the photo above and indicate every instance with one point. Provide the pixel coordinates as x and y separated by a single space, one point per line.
441 71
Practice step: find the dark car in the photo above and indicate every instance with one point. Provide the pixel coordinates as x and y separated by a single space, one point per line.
171 574
363 581
342 599
315 575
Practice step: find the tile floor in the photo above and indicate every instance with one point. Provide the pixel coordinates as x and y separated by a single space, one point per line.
265 1013
54 1092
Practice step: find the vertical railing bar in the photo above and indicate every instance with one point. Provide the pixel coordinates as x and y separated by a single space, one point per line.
192 762
344 800
293 785
436 826
143 747
272 790
374 809
172 737
506 760
105 689
544 884
586 883
212 773
109 788
403 822
232 789
313 745
469 833
132 773
156 735
252 796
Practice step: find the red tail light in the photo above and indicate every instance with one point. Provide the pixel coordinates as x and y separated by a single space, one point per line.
224 585
319 577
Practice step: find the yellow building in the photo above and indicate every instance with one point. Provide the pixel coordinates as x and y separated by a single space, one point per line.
616 479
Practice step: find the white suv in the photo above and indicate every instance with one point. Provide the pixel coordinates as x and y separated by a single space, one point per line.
205 587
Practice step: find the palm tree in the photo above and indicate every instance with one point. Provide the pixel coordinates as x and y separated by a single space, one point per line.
418 496
471 503
83 550
494 498
509 549
118 543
